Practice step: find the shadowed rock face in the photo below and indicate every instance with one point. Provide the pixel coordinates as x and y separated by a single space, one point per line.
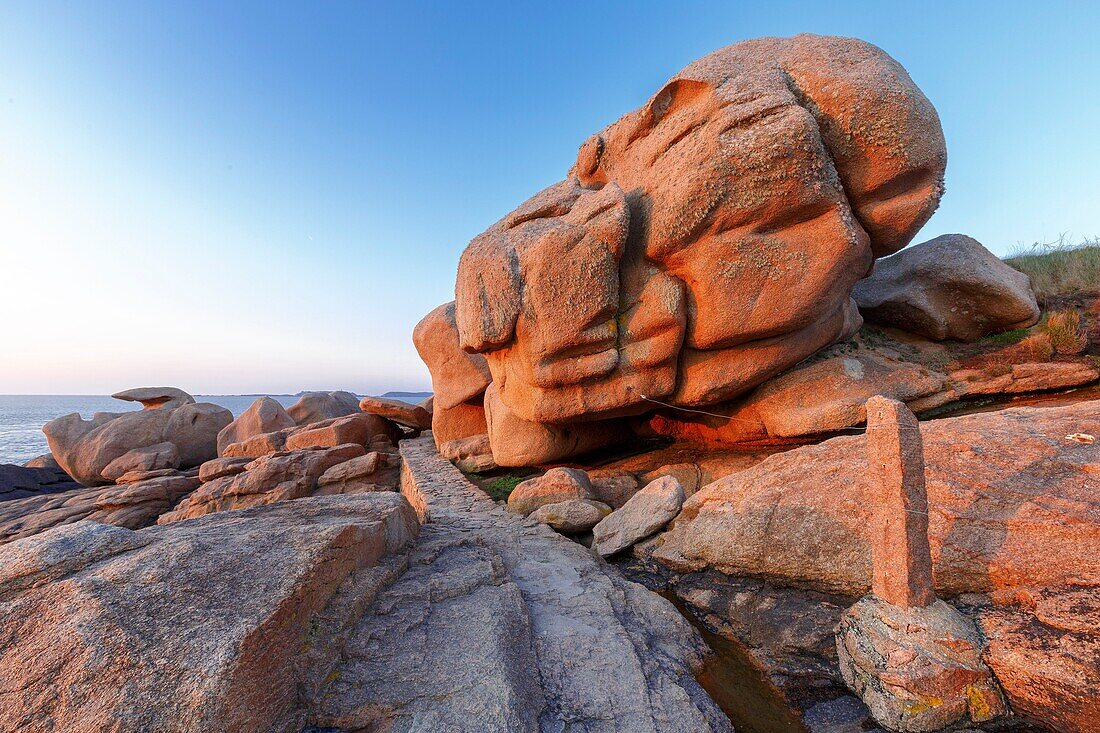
704 242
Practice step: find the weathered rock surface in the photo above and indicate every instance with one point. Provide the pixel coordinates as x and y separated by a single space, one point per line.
556 485
110 629
219 467
918 668
688 474
265 415
471 455
268 479
147 458
317 406
464 420
500 624
1044 646
950 287
358 427
371 472
787 631
827 393
402 413
573 516
776 167
457 376
613 487
156 398
519 442
132 505
20 482
84 448
1012 501
644 514
46 460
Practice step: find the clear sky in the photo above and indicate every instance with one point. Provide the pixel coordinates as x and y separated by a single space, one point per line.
251 197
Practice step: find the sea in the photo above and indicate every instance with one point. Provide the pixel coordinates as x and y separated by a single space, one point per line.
22 416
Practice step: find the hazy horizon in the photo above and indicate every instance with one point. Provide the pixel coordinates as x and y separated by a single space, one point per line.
252 199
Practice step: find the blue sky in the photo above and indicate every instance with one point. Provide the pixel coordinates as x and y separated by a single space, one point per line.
248 197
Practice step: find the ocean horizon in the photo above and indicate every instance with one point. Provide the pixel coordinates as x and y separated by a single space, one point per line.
22 416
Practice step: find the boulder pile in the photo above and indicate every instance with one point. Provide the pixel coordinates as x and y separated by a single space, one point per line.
171 431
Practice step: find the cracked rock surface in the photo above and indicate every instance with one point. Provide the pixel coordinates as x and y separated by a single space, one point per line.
501 621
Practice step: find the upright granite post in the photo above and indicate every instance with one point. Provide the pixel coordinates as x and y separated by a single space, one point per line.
902 559
914 659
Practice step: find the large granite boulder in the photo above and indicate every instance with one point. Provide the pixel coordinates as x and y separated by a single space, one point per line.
265 415
700 245
1012 500
226 623
950 287
84 448
314 407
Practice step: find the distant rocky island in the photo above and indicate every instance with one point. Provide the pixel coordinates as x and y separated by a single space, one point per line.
710 447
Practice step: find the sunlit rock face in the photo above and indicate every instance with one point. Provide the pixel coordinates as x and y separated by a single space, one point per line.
706 241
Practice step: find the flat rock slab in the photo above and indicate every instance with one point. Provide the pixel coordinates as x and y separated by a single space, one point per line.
207 625
502 625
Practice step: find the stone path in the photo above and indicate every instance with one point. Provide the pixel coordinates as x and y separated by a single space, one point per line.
499 624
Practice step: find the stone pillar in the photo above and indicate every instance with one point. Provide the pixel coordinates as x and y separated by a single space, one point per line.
902 559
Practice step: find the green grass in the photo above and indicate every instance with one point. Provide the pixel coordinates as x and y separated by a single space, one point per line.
1006 337
1060 268
500 487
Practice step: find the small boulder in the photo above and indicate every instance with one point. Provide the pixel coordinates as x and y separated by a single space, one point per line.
220 467
571 517
46 460
613 486
265 415
314 407
918 668
372 472
948 288
137 475
470 455
689 475
147 458
358 428
402 413
194 430
258 445
646 513
554 486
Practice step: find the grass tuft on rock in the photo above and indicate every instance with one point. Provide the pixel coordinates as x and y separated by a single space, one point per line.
1060 268
500 487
